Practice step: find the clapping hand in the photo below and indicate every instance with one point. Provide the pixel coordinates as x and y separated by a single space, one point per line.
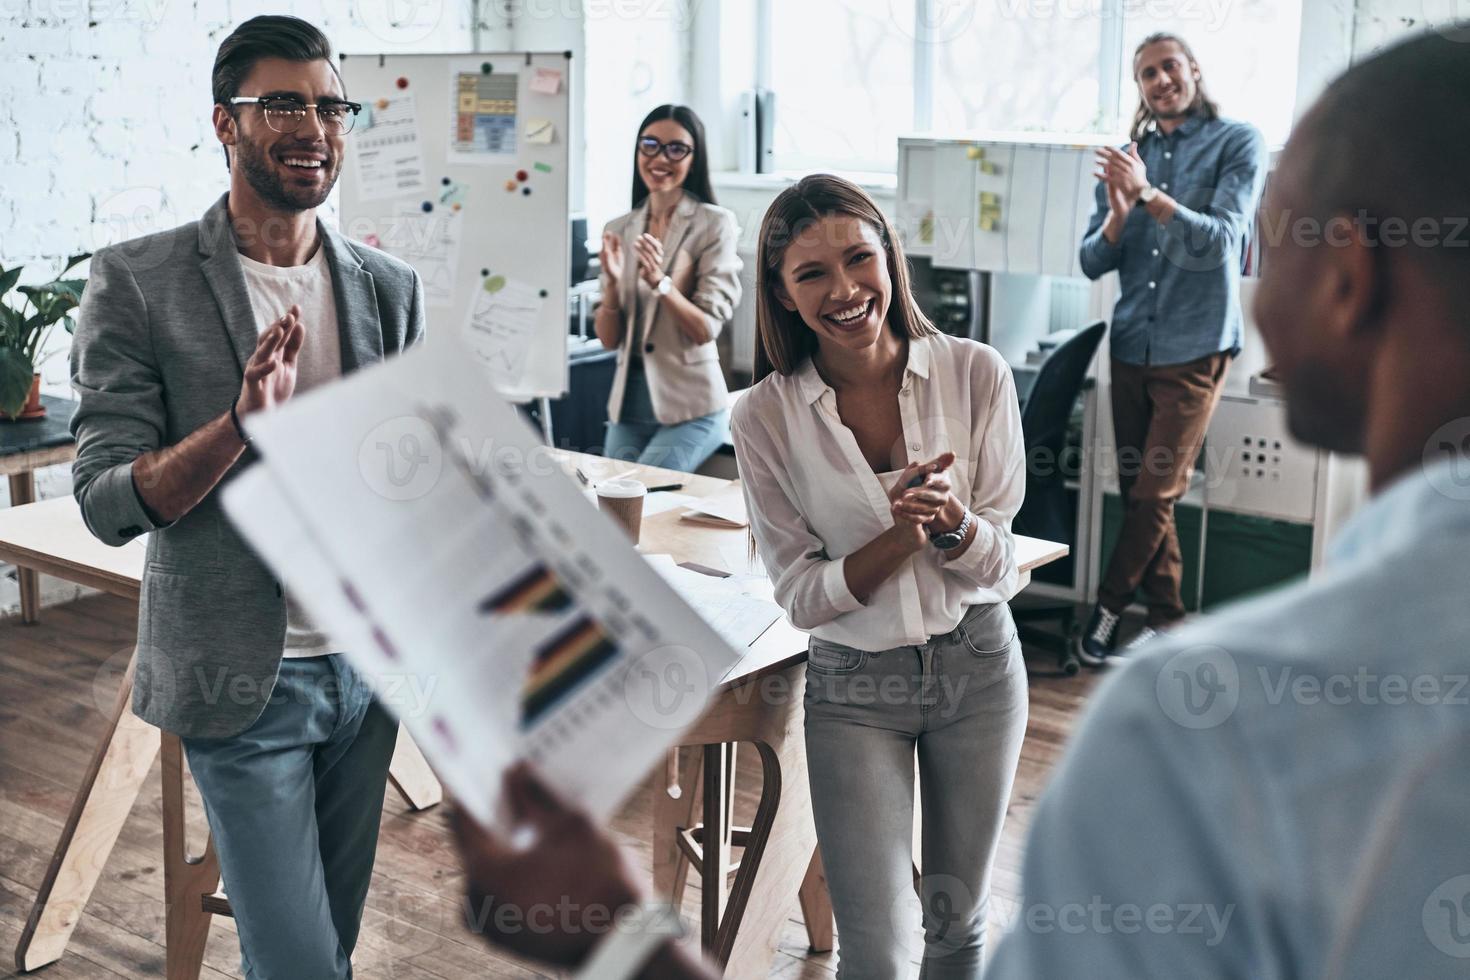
650 258
1125 174
920 492
270 374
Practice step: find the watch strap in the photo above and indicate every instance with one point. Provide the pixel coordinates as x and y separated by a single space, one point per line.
956 537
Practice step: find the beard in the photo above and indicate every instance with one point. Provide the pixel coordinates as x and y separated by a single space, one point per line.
260 173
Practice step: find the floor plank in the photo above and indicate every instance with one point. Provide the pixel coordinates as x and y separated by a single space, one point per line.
59 677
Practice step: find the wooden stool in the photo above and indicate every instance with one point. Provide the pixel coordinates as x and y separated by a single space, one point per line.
190 882
706 847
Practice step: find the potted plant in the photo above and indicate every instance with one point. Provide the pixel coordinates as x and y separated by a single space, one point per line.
24 329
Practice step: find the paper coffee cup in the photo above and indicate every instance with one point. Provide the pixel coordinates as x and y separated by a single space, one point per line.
623 499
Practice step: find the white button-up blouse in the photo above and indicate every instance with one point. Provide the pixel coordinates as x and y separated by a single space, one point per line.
813 499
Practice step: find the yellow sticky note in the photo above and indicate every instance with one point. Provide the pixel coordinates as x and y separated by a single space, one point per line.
987 223
987 167
540 131
987 199
926 229
975 153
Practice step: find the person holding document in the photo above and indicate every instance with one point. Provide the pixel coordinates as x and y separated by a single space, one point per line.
882 464
670 280
181 335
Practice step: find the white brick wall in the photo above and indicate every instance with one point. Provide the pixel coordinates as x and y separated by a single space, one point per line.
105 130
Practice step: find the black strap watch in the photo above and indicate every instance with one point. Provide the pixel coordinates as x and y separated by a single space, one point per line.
950 540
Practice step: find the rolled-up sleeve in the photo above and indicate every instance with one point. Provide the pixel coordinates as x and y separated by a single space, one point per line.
808 584
717 274
1218 225
120 414
1097 255
997 479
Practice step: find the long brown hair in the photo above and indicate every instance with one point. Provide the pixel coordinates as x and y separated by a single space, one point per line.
785 339
1202 106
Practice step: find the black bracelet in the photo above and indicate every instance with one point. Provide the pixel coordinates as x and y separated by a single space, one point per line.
239 429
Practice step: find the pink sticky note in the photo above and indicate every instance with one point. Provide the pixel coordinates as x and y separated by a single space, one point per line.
547 81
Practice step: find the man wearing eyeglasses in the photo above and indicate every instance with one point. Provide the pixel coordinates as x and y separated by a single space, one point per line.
182 335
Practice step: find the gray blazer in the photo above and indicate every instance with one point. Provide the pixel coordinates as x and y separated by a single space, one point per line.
684 378
162 338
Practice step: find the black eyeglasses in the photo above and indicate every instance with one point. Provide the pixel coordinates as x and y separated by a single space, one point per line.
674 151
285 115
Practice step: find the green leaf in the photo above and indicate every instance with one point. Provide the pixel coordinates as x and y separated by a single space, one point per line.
72 262
16 371
8 279
69 287
70 324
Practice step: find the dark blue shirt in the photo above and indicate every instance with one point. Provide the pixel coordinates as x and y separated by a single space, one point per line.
1180 296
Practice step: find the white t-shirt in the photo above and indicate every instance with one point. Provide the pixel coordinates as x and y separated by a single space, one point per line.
273 290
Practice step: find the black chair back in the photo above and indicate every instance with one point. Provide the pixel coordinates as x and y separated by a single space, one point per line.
1044 420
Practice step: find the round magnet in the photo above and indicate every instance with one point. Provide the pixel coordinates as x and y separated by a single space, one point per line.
427 206
402 82
486 68
382 104
510 185
526 191
445 181
521 175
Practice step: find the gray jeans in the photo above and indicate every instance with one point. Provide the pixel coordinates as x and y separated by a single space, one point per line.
959 701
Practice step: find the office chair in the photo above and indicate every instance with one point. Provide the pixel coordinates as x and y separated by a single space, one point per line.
1046 512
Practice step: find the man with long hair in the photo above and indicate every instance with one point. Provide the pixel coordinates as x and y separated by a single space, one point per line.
1173 216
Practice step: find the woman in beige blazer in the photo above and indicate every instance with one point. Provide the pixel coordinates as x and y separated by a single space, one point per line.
670 280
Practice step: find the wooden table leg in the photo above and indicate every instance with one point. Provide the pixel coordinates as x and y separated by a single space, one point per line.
410 774
187 879
766 712
816 906
719 783
23 491
109 787
675 804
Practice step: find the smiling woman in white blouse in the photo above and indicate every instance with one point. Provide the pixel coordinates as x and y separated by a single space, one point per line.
882 463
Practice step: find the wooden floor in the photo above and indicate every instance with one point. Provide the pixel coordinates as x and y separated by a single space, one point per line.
56 675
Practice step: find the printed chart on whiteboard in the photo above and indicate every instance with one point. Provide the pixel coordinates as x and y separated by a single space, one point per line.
484 116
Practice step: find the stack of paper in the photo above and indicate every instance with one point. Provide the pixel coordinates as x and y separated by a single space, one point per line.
723 508
739 607
424 527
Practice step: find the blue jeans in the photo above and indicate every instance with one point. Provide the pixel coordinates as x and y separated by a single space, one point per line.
294 803
958 702
639 438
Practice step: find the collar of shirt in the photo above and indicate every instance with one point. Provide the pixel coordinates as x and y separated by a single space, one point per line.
1188 127
812 387
1423 504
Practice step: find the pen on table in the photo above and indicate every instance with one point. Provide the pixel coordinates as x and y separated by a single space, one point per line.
666 486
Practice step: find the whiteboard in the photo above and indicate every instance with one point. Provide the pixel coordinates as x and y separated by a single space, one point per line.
459 166
1012 203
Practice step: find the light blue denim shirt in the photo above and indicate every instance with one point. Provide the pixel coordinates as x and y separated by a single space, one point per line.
1280 789
1180 282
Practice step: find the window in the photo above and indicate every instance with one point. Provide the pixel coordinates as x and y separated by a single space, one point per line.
1247 53
1017 65
843 76
850 76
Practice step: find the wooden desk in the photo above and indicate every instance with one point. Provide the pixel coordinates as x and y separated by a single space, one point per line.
758 703
24 448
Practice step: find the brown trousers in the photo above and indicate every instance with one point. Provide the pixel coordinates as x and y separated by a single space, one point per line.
1160 414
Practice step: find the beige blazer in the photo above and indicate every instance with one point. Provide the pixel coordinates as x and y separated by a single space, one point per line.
684 378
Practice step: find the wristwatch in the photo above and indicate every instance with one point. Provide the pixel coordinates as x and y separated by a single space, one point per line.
664 285
953 539
1147 195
